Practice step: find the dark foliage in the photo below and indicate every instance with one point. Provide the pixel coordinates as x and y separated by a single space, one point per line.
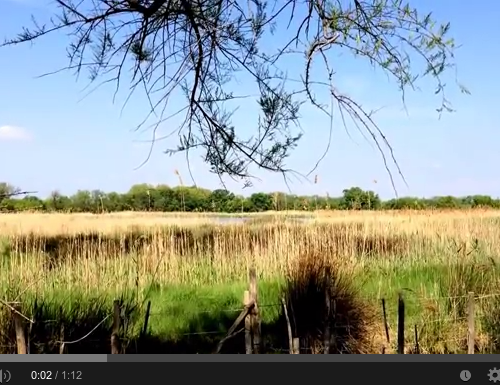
349 320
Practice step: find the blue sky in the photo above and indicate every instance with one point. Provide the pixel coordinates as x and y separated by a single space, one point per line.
53 137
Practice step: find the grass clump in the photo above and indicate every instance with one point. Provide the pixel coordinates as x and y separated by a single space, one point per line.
321 295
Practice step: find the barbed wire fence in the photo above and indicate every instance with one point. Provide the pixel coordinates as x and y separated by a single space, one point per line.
401 334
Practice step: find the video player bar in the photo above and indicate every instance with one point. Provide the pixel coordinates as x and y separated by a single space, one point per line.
221 373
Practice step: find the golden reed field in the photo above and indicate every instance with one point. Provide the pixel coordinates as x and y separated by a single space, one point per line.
69 267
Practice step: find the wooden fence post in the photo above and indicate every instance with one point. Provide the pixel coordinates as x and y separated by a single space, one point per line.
401 324
248 324
386 324
288 326
328 312
115 335
417 345
255 316
61 337
293 343
232 330
146 320
19 327
471 332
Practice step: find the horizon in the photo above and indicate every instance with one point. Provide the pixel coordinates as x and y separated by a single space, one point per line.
25 194
52 137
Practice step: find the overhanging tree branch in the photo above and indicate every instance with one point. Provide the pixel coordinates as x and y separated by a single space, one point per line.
16 193
199 47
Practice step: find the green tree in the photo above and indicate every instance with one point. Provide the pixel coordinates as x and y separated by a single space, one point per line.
54 201
169 199
193 198
357 199
180 193
139 197
200 199
402 203
98 197
114 202
8 205
222 200
334 203
280 201
7 190
29 203
82 201
447 202
261 202
208 44
479 201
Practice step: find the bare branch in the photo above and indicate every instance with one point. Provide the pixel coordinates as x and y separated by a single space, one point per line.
201 47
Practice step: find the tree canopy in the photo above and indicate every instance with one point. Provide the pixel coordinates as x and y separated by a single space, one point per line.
162 198
199 47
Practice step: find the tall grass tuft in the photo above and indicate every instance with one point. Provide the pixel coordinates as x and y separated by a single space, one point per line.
467 273
349 319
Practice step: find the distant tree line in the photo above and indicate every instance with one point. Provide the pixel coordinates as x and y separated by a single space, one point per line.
145 197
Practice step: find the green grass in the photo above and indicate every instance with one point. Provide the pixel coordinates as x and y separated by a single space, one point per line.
187 318
194 313
180 309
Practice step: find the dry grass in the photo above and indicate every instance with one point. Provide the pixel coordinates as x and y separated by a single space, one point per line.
57 224
322 297
456 221
82 256
118 250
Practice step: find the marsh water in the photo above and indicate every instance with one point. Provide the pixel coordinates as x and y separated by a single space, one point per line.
223 220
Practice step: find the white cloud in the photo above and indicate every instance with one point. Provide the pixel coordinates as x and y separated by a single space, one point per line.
13 133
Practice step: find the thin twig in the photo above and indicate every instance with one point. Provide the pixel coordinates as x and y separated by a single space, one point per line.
16 311
229 337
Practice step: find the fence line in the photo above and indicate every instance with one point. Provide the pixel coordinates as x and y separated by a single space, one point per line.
389 311
85 336
250 314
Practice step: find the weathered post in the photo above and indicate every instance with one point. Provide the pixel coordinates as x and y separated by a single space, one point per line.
115 335
255 316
